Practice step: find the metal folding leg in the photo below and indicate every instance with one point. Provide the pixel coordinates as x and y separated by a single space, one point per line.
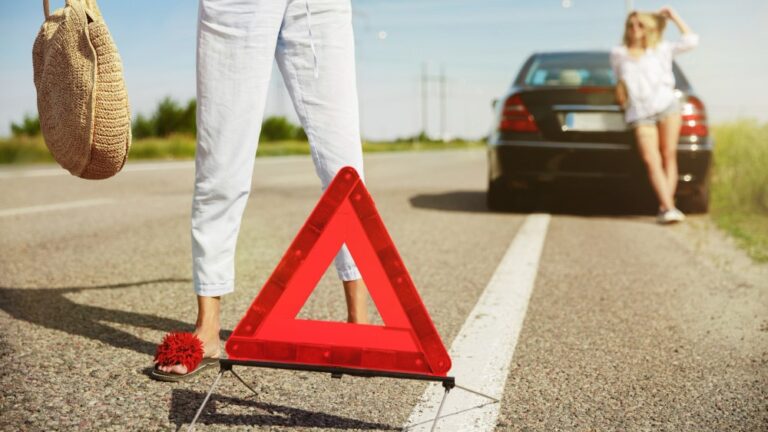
242 381
478 393
445 396
440 408
205 401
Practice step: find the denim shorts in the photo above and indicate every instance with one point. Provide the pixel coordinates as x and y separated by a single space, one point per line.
651 120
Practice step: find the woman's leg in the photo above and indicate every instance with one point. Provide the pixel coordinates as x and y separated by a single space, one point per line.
648 145
327 104
669 133
235 50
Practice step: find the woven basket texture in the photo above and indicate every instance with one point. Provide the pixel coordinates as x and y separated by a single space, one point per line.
81 95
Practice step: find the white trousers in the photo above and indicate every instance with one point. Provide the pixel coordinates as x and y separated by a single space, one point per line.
313 43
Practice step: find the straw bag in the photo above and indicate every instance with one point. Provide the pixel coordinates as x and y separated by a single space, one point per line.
81 96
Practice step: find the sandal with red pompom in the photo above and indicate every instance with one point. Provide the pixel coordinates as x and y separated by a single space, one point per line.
181 348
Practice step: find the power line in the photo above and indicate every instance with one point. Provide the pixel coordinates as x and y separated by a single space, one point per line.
441 79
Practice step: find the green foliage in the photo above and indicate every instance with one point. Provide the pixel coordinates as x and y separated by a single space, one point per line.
740 184
143 127
24 149
423 138
277 129
169 118
280 129
29 126
301 135
172 147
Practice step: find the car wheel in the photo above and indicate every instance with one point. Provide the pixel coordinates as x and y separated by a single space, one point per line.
502 198
498 197
698 202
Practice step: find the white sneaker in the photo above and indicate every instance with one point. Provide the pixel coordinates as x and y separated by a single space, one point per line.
670 216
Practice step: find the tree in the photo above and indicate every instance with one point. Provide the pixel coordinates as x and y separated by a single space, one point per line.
169 118
277 129
143 127
29 126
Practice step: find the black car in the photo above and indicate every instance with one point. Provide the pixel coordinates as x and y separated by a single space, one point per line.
560 125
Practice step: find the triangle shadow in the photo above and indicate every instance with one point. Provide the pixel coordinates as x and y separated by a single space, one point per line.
184 404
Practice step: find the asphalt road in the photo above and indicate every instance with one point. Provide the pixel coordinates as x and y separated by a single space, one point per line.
630 326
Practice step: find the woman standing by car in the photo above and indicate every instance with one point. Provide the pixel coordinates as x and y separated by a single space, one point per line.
643 67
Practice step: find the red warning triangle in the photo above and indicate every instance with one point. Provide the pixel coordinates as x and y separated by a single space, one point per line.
407 343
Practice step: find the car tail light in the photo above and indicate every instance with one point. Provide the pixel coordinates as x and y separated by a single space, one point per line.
515 117
694 118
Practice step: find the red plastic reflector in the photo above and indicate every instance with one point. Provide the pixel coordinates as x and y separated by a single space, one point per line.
515 117
408 341
694 118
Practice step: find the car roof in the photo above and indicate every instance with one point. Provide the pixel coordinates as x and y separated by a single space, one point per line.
559 53
680 78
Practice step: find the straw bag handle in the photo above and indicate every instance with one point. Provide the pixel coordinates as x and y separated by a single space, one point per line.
90 5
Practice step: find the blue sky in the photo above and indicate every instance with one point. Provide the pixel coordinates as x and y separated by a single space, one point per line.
480 43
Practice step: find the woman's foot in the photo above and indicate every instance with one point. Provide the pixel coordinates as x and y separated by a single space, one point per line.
211 349
206 329
669 216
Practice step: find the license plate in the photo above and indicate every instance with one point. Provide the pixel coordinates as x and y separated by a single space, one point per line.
593 122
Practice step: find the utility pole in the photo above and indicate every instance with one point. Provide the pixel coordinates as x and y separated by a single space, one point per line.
424 108
630 4
442 80
443 104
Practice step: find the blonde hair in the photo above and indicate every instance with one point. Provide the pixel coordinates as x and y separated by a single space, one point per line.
653 25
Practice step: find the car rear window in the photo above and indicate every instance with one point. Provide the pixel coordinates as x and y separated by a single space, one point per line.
577 69
570 70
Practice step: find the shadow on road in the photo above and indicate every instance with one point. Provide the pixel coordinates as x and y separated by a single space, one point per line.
184 404
50 308
466 201
579 202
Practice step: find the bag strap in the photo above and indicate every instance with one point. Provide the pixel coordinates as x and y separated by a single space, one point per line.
90 6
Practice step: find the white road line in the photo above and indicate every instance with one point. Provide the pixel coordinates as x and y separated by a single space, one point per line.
51 207
483 350
138 167
48 172
186 164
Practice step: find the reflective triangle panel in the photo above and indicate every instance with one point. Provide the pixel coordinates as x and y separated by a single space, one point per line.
408 341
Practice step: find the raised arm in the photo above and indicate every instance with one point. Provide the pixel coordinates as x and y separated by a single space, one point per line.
669 13
689 40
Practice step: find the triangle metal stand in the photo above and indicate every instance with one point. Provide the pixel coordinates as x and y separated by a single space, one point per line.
227 365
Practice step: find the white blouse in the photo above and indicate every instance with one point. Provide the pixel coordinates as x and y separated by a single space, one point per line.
649 79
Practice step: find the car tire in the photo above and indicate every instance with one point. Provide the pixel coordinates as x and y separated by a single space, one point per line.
503 199
698 202
498 197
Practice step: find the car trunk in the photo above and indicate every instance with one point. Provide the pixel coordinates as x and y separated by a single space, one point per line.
577 114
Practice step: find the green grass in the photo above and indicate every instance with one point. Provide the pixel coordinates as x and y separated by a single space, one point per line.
20 150
739 200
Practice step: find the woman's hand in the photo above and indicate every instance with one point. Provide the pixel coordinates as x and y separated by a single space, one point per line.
621 94
669 13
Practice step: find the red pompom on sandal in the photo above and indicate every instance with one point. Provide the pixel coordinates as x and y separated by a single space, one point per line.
184 349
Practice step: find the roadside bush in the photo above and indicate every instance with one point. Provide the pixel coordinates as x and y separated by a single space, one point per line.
280 129
169 118
29 126
740 184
